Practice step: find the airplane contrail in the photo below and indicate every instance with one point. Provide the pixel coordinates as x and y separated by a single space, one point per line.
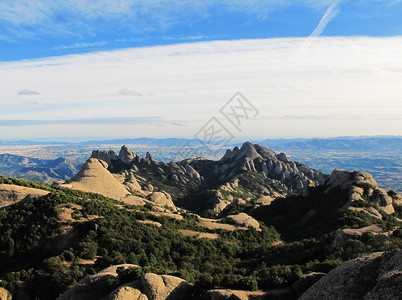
329 14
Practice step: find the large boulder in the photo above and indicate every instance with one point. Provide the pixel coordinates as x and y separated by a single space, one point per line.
245 220
161 287
93 287
162 199
373 277
129 291
4 294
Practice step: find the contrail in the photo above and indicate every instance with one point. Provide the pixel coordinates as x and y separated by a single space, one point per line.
329 14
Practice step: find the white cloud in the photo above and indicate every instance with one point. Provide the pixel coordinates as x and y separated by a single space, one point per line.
127 92
339 86
27 92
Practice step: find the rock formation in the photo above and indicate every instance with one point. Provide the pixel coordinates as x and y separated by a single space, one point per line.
362 187
94 177
106 156
373 277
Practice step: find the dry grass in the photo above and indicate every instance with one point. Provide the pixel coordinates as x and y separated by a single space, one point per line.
199 235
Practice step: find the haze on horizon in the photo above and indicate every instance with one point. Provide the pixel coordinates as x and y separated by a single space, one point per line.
313 69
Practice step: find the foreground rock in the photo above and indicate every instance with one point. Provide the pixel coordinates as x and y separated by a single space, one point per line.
150 286
161 287
373 277
93 287
4 294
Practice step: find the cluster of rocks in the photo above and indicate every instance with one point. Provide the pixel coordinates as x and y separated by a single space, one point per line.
362 187
278 169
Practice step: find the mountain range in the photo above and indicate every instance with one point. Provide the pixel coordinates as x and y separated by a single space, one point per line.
41 170
253 224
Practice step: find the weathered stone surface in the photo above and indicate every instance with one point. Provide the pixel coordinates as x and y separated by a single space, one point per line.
375 276
92 287
162 199
4 294
126 155
162 287
127 292
94 177
362 187
106 156
305 282
244 219
345 234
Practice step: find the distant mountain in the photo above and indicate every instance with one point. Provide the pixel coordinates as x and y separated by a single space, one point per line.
350 144
42 170
341 144
242 174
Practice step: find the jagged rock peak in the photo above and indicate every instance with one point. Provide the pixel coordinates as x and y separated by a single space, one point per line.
104 155
148 156
126 155
248 150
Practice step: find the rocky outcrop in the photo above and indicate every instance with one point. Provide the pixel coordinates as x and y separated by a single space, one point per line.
106 156
162 199
345 234
362 187
245 220
278 169
94 177
92 287
4 294
149 287
305 282
126 155
373 277
129 291
11 194
161 287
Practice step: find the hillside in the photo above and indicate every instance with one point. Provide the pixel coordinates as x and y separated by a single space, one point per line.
41 170
129 226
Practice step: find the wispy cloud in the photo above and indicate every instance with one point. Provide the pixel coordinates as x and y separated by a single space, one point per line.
95 121
79 45
33 18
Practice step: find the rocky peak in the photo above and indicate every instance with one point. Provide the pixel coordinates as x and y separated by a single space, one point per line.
362 187
248 151
126 155
148 156
278 168
104 155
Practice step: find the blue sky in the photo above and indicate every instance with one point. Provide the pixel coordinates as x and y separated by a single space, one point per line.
41 28
129 68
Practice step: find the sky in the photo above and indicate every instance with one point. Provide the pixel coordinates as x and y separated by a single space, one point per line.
103 69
